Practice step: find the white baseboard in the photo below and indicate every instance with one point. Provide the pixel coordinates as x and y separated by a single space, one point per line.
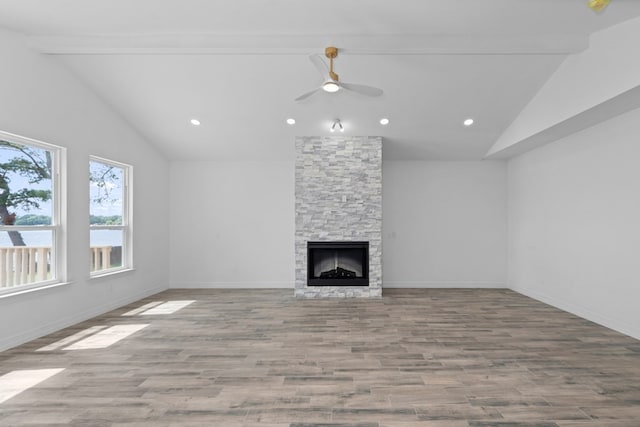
231 285
452 284
77 317
291 285
588 314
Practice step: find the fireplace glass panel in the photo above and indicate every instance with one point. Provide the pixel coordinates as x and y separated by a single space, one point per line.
334 263
338 263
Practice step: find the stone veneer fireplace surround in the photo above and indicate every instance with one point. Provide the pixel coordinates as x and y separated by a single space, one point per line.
338 197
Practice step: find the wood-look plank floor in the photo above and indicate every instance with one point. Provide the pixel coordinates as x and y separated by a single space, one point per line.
438 358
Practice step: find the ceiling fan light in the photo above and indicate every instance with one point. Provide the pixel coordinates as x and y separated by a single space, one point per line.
330 86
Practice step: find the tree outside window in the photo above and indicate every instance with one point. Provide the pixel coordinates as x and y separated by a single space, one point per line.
109 216
28 220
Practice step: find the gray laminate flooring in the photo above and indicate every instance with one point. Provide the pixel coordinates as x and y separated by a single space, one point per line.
430 357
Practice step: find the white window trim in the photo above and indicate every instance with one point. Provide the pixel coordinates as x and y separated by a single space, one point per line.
58 216
127 219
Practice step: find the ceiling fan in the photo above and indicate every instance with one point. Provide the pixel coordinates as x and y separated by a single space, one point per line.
598 5
332 82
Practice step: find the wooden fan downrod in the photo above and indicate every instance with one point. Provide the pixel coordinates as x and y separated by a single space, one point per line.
331 52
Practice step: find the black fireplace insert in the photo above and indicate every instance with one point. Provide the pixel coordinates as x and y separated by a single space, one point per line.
338 263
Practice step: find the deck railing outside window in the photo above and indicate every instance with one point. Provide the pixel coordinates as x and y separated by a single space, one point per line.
23 265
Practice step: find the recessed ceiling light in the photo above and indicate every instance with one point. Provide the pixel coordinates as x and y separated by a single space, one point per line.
384 121
291 121
468 122
195 122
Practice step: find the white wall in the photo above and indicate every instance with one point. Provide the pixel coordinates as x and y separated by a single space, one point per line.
444 224
232 224
574 223
41 100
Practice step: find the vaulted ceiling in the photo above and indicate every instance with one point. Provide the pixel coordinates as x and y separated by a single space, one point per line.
238 65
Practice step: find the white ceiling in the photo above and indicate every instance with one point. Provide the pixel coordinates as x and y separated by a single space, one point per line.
237 66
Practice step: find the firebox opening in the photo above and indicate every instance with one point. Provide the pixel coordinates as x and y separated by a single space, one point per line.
338 263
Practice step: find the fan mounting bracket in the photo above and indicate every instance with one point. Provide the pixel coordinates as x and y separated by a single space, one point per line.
331 52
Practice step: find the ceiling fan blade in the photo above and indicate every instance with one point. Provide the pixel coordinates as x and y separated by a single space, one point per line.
306 95
362 89
320 65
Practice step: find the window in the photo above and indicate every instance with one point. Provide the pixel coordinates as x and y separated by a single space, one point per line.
31 241
110 216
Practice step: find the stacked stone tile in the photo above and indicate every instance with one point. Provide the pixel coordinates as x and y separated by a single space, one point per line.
339 198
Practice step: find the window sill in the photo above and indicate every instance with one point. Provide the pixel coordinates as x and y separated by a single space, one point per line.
20 290
111 273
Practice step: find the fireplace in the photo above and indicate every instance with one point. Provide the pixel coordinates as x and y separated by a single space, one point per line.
337 263
338 210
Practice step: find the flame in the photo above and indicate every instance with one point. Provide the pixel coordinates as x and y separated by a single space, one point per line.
598 5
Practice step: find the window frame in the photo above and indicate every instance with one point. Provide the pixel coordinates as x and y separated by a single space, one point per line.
126 226
58 265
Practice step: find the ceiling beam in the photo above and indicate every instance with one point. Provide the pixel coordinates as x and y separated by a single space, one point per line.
623 103
595 85
208 44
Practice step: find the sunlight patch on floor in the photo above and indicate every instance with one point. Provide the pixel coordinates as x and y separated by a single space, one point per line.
73 338
16 382
143 308
106 337
168 307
